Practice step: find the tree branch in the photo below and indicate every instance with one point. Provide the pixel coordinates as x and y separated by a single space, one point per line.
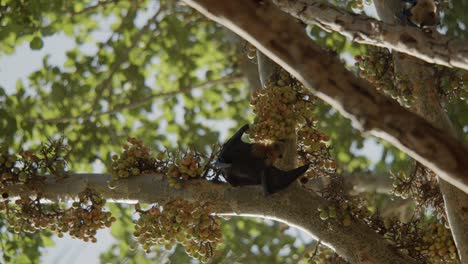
106 84
368 182
431 47
138 103
427 104
295 206
279 37
92 7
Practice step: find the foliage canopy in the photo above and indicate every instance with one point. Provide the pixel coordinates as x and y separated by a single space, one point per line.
161 72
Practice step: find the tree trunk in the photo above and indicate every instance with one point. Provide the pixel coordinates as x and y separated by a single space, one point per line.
427 104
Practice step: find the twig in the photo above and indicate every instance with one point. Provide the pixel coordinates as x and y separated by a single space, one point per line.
136 104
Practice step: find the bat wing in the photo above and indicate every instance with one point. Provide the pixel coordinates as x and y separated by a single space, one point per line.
241 173
277 180
233 148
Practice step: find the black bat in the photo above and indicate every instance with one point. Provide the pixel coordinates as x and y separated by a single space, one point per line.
241 166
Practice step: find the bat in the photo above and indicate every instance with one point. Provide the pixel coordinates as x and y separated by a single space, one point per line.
245 164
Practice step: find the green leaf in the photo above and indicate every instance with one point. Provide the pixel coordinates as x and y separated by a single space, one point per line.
47 241
36 43
22 259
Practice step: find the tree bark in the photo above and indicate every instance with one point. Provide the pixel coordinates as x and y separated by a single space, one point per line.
429 46
279 37
456 201
427 104
247 67
294 206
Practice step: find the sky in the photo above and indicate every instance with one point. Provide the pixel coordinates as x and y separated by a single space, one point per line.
25 61
19 65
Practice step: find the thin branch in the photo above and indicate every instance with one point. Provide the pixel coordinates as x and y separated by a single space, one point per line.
106 84
429 46
280 37
294 206
139 103
92 7
396 207
368 182
308 248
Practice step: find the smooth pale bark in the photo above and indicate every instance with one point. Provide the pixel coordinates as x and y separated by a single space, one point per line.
427 104
247 67
279 36
429 46
456 201
294 206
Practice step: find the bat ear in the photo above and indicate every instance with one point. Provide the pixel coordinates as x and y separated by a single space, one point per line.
239 133
278 180
234 140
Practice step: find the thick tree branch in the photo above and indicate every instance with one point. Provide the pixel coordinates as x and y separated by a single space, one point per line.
431 47
295 206
279 37
427 104
456 202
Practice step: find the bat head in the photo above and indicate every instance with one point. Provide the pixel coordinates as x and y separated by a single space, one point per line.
424 13
270 152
